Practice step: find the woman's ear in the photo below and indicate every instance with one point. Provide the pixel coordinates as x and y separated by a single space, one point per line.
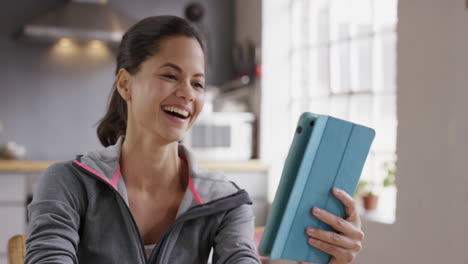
122 82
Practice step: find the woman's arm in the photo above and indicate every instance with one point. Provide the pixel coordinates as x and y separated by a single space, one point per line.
54 217
234 239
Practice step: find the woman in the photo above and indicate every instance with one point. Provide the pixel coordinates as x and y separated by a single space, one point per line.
143 199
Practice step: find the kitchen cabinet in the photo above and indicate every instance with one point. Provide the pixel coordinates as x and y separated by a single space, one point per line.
12 208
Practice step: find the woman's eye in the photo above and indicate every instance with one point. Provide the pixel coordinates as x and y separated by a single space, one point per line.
170 76
197 84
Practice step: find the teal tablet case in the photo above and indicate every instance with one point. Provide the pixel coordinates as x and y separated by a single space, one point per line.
326 152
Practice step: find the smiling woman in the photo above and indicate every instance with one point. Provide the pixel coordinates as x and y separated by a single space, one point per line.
143 199
151 68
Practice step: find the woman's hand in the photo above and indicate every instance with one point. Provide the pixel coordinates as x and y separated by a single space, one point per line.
344 244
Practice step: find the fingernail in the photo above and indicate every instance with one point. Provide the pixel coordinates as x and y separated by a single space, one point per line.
312 241
317 210
311 230
337 191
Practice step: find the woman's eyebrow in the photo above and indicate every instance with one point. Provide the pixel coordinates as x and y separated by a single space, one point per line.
177 68
171 65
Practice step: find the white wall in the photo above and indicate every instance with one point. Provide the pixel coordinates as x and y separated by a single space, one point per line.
432 211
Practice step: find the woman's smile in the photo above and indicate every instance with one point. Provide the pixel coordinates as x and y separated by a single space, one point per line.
177 113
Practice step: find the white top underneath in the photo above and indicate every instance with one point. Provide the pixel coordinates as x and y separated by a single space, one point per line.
148 249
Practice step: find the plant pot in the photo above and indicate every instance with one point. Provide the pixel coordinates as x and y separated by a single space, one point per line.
370 202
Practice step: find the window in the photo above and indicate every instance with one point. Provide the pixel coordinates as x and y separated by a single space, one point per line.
343 63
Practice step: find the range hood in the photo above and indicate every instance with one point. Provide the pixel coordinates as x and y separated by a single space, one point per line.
80 20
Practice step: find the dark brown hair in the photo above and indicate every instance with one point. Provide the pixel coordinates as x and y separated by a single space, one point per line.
139 43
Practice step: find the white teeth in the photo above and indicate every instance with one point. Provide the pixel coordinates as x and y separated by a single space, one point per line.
176 110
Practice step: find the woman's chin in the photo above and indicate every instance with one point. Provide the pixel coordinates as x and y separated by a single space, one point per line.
174 137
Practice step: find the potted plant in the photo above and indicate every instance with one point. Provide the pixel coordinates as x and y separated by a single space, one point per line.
10 150
390 178
370 190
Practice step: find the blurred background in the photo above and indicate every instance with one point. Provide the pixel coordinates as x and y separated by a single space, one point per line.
398 66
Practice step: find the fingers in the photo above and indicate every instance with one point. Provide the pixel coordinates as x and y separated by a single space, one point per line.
348 202
334 238
339 224
344 244
340 254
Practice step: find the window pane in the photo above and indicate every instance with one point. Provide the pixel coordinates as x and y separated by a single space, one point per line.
361 65
385 61
368 169
324 69
361 109
296 74
295 113
385 123
385 14
297 26
319 78
361 17
318 22
339 19
340 68
389 61
339 107
320 106
321 4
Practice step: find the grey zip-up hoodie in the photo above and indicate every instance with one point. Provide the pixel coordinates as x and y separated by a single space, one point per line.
80 214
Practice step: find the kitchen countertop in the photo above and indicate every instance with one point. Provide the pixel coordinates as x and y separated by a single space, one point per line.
38 166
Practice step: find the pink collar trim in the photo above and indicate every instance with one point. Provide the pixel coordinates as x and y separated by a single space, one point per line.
192 187
117 174
112 182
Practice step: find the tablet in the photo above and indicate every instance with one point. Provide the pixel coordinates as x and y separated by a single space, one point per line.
326 152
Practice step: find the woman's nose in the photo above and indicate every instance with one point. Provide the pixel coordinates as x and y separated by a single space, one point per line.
186 91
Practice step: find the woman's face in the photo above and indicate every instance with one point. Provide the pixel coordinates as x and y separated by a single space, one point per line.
166 95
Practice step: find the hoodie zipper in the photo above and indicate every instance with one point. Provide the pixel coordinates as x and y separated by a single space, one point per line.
135 226
185 217
156 252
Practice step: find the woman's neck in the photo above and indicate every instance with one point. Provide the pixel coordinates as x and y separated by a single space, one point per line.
147 164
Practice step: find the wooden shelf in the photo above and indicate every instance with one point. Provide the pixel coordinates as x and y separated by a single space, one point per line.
24 165
251 165
38 166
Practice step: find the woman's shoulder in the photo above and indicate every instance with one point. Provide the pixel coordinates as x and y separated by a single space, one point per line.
59 170
210 175
59 175
60 186
213 183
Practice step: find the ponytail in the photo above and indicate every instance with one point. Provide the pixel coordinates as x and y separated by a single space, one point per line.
114 123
